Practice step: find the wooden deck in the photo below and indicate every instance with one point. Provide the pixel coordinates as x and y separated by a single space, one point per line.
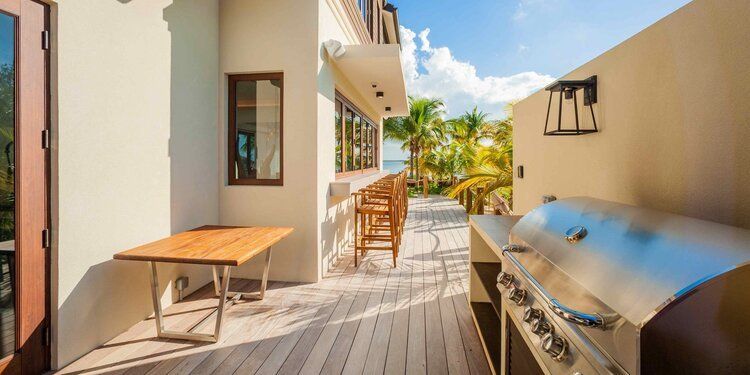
374 319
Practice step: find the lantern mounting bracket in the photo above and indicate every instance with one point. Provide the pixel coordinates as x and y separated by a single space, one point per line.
568 89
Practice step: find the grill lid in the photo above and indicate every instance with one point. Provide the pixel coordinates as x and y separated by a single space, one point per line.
633 259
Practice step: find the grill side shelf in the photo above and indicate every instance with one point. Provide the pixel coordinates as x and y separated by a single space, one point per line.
487 274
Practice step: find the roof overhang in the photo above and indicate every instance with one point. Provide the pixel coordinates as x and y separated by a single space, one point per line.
380 64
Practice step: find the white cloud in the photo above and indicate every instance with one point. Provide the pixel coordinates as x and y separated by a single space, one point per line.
435 72
522 48
520 12
423 38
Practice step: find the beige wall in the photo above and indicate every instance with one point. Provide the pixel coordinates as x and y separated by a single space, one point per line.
276 36
139 152
335 214
290 35
134 155
673 111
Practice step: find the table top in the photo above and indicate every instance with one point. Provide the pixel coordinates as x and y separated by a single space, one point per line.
209 244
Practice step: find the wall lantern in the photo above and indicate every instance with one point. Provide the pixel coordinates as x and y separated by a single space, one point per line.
568 89
379 95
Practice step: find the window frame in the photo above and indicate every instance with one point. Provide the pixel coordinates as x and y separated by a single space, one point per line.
232 80
346 104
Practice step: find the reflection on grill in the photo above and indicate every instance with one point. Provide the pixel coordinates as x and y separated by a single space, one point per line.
612 288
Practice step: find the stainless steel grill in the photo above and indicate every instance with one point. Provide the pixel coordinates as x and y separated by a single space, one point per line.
602 287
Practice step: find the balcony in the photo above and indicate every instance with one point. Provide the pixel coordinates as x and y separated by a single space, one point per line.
375 318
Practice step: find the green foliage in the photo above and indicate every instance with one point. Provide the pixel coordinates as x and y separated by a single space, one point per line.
433 188
7 154
471 148
419 132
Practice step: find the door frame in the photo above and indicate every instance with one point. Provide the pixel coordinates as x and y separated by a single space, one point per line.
27 359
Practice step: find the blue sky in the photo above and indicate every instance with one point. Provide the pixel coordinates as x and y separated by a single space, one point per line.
489 52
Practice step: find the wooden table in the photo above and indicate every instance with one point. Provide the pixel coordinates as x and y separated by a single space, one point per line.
215 246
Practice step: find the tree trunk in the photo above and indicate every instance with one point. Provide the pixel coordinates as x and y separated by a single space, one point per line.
416 161
411 162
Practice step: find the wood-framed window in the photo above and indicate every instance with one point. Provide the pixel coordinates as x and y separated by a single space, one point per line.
371 12
255 148
356 140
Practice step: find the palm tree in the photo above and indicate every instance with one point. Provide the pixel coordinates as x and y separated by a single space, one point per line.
492 167
449 160
492 170
421 131
471 127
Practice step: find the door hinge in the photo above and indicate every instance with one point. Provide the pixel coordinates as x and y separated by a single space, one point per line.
45 139
45 238
47 336
45 39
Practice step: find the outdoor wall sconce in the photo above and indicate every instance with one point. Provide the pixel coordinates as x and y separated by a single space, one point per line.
568 89
379 95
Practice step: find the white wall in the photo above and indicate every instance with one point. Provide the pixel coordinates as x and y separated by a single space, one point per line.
134 155
335 214
673 112
259 36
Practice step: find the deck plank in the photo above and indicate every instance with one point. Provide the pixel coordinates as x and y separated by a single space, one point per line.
372 319
416 349
437 360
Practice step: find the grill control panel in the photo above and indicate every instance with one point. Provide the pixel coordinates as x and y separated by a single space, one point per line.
558 354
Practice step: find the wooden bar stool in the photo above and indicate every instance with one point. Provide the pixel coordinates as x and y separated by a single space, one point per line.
379 215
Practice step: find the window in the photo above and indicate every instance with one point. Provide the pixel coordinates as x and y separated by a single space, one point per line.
339 146
363 5
255 148
356 140
372 16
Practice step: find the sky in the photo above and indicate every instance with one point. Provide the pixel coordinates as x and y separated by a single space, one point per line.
486 53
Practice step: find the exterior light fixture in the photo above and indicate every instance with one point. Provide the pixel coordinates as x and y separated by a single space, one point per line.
334 48
568 89
379 95
387 109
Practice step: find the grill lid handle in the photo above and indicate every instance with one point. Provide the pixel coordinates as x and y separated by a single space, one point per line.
596 320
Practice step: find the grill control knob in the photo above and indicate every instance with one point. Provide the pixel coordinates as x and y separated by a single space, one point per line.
530 314
555 346
505 279
541 327
517 295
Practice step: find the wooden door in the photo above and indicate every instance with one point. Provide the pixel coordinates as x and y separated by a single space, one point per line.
24 192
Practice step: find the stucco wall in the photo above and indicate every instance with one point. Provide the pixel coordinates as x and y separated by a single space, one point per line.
673 111
335 214
134 155
259 36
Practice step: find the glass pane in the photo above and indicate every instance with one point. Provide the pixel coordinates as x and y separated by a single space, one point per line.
7 186
348 137
370 142
375 148
357 143
337 127
366 145
258 123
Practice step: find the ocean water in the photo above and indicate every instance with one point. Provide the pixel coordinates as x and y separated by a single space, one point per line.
394 166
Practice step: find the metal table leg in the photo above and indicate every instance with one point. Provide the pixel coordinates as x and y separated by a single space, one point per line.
189 335
254 295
